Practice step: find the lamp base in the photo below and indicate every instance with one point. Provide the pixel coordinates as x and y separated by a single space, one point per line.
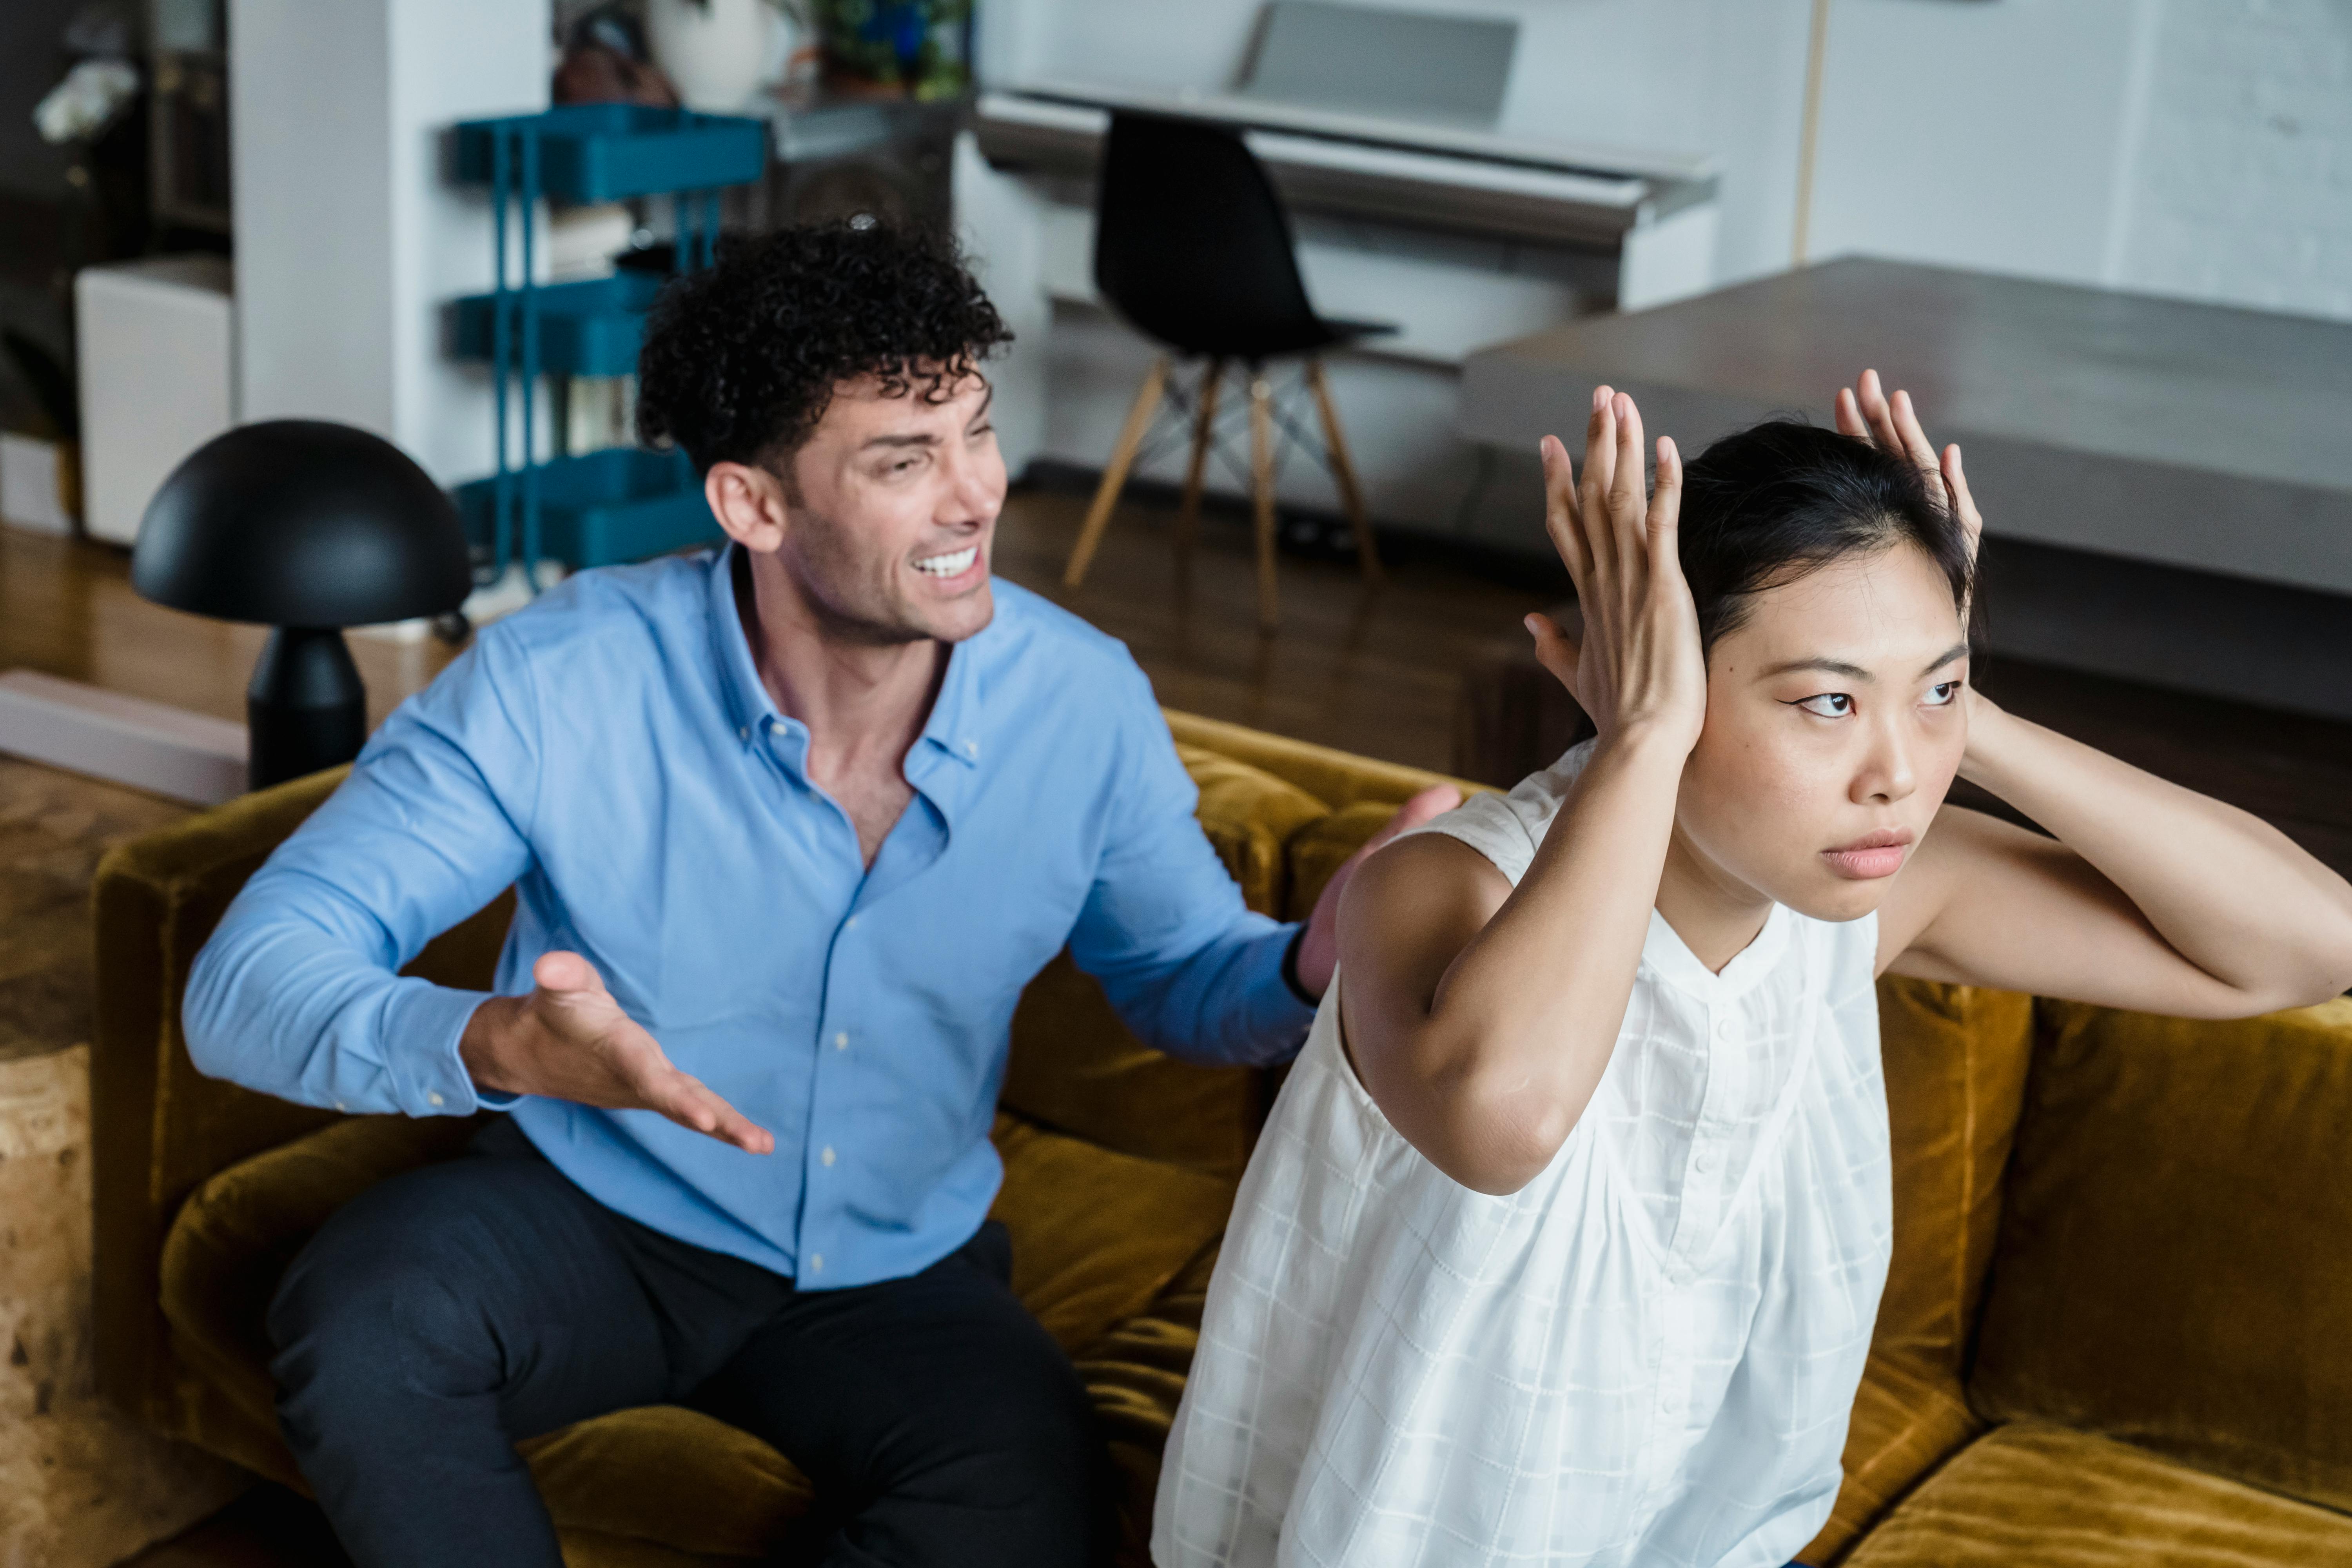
306 709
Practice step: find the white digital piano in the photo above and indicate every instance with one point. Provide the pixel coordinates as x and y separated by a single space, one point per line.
1378 127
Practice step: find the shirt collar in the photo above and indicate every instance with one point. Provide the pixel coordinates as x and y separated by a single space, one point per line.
747 701
957 714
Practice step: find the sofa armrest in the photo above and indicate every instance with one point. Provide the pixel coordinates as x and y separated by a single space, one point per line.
159 1129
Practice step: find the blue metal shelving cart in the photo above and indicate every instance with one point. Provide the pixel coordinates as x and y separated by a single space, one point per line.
624 503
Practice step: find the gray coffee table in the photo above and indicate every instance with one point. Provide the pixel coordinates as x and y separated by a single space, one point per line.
2168 486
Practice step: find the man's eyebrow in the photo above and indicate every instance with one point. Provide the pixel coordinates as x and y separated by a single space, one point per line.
924 440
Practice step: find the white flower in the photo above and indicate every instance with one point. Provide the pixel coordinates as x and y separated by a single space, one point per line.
87 102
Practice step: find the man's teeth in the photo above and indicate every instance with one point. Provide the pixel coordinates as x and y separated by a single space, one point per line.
951 565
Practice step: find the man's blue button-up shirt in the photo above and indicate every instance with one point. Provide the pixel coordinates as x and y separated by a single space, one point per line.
612 753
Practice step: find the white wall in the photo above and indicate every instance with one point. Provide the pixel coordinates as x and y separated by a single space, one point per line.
2193 147
2239 186
1719 77
1986 135
2197 148
350 239
310 96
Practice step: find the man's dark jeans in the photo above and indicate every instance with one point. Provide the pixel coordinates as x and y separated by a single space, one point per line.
453 1310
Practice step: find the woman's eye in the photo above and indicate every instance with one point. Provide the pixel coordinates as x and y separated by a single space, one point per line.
1941 695
1828 704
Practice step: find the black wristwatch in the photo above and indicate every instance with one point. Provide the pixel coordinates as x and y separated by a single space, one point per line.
1291 970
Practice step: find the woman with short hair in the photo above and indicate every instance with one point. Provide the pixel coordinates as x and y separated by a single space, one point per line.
1565 1238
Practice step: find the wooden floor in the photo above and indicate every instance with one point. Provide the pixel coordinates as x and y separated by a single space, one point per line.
1374 671
1371 671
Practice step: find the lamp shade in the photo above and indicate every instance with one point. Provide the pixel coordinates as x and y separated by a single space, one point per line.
302 522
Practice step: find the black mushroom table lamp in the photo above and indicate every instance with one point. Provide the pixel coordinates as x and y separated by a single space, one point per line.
307 527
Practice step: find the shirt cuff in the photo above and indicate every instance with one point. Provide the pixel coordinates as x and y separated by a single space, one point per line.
422 1027
1279 1011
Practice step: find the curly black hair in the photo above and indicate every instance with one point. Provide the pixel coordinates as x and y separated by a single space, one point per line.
740 360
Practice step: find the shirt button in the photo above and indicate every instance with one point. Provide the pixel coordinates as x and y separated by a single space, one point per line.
1704 1160
340 1106
827 1155
433 1099
816 1263
841 1042
1723 1028
849 925
971 748
743 732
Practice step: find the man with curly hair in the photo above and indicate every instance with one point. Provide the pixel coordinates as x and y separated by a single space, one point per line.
791 824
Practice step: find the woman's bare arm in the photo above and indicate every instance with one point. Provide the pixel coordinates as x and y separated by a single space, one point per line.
2149 897
1480 1016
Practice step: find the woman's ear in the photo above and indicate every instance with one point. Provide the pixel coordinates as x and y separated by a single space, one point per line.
749 504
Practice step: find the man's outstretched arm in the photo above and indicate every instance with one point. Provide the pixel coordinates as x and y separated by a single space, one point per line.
1189 966
298 993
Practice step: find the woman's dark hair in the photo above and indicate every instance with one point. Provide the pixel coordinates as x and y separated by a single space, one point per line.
740 360
1769 504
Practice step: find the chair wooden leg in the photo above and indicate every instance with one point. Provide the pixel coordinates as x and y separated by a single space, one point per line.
1114 480
1269 608
1343 468
1188 516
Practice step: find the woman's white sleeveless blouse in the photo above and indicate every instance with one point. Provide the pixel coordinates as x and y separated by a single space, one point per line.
1646 1356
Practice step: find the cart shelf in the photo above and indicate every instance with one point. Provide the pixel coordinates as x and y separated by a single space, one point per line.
590 327
624 503
607 151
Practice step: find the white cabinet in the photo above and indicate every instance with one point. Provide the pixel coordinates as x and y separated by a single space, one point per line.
154 340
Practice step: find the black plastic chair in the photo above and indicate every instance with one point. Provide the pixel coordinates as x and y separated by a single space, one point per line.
1193 250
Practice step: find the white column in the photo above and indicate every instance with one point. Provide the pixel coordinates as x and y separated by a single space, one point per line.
350 240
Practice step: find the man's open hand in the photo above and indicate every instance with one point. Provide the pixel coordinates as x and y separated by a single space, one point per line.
569 1040
1319 950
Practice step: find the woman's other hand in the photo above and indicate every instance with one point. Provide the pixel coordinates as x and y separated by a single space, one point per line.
1867 413
1638 664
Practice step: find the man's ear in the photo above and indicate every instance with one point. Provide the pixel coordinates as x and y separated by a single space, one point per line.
749 502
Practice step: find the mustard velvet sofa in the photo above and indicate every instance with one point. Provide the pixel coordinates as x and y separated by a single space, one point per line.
2117 1329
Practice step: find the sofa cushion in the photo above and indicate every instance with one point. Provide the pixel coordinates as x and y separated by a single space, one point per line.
2175 1260
1077 1067
664 1474
1956 1059
1319 851
1096 1236
1905 1424
2035 1496
238 1233
1250 817
1135 1376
